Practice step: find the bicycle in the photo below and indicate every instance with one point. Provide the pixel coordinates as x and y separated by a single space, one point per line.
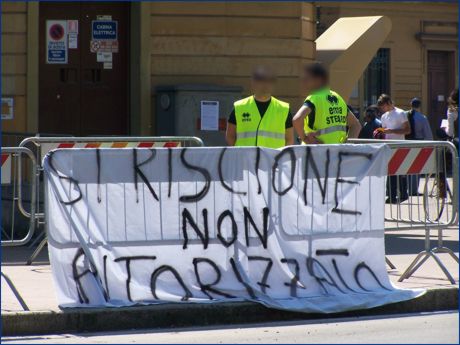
436 195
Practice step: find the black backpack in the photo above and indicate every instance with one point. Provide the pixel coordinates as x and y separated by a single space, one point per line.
410 117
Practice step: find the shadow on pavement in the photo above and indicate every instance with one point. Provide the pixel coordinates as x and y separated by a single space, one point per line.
413 243
19 256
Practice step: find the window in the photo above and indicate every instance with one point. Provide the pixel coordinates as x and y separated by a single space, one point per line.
377 77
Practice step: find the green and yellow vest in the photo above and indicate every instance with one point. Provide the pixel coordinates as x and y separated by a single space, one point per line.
254 130
328 118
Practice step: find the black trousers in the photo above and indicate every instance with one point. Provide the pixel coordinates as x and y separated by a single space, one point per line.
393 182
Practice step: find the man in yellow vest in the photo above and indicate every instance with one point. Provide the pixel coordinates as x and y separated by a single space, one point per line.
261 119
324 117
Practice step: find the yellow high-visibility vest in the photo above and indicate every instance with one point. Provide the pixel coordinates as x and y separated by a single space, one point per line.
254 130
328 118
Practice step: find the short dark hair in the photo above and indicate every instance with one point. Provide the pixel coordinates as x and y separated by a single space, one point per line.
317 71
415 103
384 99
373 111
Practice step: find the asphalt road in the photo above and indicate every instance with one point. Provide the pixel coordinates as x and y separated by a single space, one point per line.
394 329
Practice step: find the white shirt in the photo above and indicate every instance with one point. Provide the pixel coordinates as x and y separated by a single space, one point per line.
452 115
394 119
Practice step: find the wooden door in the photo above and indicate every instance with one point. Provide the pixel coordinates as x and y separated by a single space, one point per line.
441 74
85 95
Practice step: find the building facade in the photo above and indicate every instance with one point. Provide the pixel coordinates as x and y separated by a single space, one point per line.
96 68
418 59
156 44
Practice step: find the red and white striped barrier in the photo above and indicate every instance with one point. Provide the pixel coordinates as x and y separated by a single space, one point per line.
47 147
6 168
411 161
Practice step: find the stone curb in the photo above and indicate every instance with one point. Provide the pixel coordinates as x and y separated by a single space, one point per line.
173 315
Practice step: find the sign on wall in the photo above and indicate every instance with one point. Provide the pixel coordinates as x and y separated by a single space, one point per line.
299 229
104 46
104 40
7 108
56 42
209 116
104 30
72 28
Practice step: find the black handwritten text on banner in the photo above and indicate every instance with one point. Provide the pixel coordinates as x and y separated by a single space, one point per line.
299 228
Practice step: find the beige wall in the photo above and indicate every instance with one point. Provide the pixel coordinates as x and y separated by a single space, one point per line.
216 43
407 53
220 43
14 62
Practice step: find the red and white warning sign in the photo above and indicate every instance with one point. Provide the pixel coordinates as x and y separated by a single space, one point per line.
6 168
410 161
97 46
47 147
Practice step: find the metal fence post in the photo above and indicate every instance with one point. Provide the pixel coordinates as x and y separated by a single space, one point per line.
43 144
17 153
439 199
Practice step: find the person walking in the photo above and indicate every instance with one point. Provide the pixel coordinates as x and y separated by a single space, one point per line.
324 117
260 119
395 126
420 130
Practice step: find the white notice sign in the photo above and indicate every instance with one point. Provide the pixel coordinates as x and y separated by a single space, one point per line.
104 57
209 115
72 26
73 41
7 108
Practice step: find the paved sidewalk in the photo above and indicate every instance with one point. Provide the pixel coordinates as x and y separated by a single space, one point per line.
35 284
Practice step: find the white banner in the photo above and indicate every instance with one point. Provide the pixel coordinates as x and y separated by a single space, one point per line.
299 228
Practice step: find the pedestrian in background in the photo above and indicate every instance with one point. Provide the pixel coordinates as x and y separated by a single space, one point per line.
395 126
449 131
420 130
394 120
420 127
451 128
260 119
371 123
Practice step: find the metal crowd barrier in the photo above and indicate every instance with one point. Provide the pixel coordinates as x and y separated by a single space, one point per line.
18 221
18 224
41 145
422 193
